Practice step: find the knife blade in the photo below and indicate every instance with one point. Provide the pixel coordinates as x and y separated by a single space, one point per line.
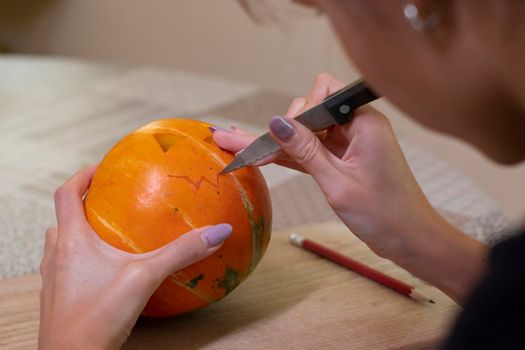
335 109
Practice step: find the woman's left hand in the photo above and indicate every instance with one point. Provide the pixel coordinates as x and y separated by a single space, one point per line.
93 293
365 178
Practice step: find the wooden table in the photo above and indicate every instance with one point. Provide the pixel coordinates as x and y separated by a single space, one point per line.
293 300
57 115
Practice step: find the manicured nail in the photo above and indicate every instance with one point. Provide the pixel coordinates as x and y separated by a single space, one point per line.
215 128
215 235
281 128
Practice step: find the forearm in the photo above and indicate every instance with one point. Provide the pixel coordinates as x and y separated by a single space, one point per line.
72 336
445 257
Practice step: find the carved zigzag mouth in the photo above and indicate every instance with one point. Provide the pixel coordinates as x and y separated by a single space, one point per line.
197 183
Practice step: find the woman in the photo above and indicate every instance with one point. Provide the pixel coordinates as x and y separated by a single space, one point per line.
456 67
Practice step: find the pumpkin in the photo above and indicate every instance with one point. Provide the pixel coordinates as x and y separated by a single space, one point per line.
163 180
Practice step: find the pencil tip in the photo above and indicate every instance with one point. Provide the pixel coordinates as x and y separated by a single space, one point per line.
431 301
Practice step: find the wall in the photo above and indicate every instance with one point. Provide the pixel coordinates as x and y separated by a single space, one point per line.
216 37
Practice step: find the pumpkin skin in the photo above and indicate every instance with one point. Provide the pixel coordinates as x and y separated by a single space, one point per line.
163 180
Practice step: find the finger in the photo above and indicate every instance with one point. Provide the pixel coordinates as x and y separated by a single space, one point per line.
231 141
304 148
297 106
364 120
284 160
325 84
237 142
237 139
50 240
237 130
49 246
291 165
68 197
187 249
337 140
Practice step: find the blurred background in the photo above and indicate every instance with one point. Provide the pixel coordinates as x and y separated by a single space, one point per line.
217 38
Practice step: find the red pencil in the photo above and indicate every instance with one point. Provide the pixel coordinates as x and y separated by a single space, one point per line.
356 266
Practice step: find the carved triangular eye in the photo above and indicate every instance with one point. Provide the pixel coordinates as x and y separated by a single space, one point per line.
166 141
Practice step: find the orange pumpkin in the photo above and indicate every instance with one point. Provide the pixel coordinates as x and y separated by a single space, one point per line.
163 180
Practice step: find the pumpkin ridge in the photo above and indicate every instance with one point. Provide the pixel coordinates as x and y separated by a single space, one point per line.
195 291
116 231
134 247
186 218
256 254
135 176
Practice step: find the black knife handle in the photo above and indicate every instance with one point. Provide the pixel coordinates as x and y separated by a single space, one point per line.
342 103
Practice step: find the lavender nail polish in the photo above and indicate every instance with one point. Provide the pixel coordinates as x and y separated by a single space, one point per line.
281 128
215 235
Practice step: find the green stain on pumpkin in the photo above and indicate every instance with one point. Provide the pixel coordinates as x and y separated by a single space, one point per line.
259 231
231 279
193 283
257 237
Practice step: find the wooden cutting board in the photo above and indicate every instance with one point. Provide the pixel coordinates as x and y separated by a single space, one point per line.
294 300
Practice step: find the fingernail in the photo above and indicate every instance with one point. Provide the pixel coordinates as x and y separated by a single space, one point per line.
281 128
215 128
215 235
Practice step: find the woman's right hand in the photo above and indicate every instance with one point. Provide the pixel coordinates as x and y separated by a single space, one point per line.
366 180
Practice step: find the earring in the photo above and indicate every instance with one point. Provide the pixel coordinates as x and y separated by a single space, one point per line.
423 18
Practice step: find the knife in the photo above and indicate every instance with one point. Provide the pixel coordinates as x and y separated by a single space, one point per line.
337 108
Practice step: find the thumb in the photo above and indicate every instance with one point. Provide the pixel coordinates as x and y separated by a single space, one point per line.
304 148
186 250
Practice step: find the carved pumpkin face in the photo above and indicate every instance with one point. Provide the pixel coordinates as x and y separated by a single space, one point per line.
162 181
